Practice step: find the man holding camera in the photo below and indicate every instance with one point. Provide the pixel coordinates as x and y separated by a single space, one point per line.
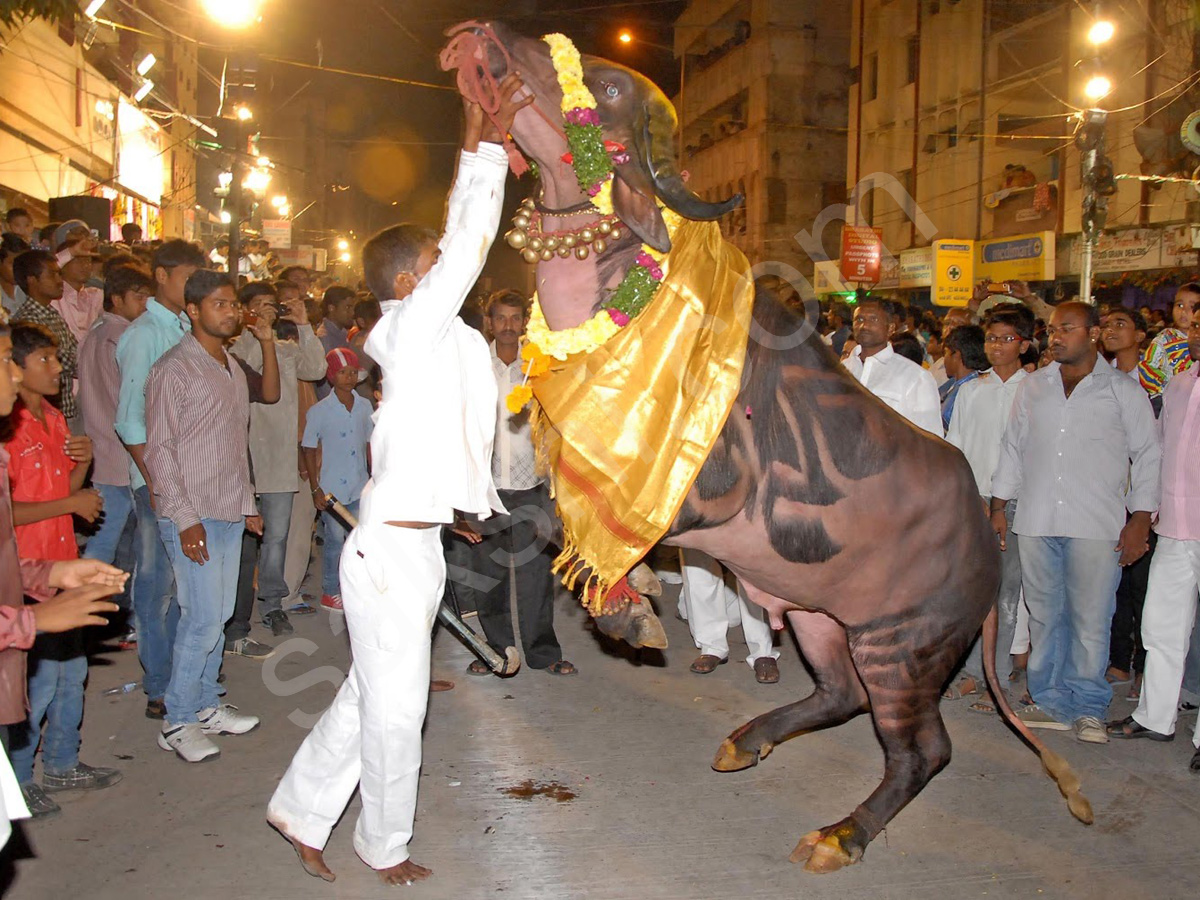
273 446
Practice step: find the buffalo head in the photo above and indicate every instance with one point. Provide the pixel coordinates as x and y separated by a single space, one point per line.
633 112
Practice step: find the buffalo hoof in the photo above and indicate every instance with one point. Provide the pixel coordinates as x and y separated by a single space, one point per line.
636 624
829 849
732 758
643 580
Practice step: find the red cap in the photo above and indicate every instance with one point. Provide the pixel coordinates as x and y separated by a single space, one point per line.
340 358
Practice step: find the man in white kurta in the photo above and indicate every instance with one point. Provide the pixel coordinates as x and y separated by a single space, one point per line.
431 452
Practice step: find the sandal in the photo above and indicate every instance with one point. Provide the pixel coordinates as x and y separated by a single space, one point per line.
1128 728
562 667
706 663
983 705
1115 676
958 689
478 667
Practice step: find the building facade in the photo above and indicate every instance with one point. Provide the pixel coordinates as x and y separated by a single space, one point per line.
763 113
962 118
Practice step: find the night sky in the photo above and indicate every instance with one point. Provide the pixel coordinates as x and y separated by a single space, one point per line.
395 145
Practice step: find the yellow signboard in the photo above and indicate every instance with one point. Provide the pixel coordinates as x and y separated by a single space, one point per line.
953 273
1024 257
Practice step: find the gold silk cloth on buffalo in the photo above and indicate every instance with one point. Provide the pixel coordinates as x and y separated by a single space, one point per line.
625 428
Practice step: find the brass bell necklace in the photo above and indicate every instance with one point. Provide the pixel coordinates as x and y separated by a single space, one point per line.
535 244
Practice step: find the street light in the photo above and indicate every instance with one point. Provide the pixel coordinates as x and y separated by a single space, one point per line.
226 217
345 257
143 91
279 201
343 244
93 8
233 14
146 64
625 37
1097 88
1101 32
243 113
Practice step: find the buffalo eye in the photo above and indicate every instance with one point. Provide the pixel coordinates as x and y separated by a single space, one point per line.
611 90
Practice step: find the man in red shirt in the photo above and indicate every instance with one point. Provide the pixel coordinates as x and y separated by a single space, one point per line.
47 469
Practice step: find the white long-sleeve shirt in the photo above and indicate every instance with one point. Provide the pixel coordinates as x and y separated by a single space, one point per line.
901 384
1077 463
431 450
981 412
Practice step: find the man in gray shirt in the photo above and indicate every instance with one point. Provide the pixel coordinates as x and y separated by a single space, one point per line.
1080 448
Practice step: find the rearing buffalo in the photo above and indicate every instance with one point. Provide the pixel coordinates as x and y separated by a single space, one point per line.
811 490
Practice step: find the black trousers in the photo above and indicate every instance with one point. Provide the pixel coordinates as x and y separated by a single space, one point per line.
512 539
1125 650
238 625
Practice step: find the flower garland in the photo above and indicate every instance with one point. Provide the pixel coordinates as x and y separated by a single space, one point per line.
589 154
593 159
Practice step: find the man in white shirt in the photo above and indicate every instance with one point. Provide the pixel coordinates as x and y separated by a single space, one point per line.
977 425
513 539
898 382
436 372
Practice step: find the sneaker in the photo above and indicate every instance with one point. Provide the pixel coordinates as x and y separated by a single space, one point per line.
332 602
1090 730
39 804
1036 717
301 608
250 649
129 641
277 621
189 742
225 719
81 778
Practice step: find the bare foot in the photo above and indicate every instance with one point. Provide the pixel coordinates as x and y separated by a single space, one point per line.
408 872
439 685
312 859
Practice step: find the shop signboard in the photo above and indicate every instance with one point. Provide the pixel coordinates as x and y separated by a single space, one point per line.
1026 257
862 253
278 233
916 267
953 272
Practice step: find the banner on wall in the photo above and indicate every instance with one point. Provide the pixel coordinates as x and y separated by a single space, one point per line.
1025 257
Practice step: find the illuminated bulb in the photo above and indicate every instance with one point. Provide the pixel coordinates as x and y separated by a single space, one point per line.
225 179
233 13
226 216
1097 88
264 162
147 63
243 113
143 91
279 201
285 210
1101 32
345 257
343 244
625 37
93 8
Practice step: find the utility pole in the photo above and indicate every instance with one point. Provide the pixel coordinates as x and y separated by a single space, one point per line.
1099 181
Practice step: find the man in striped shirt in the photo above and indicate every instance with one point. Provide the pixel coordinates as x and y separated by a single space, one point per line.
197 419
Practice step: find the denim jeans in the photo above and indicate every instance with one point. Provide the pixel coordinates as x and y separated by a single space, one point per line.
276 512
154 603
1007 600
335 537
106 543
1071 590
206 598
57 671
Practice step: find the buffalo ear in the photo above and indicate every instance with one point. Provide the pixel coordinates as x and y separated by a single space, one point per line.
640 213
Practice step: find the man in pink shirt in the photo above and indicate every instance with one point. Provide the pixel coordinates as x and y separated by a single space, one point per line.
80 304
1170 610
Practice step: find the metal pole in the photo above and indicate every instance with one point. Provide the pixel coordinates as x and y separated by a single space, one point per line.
1088 233
235 186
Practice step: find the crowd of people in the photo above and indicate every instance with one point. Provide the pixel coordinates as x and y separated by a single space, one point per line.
1078 422
166 418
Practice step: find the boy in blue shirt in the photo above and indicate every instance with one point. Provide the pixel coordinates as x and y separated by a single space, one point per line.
337 443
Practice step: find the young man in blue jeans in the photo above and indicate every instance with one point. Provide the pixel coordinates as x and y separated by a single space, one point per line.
197 419
155 332
337 443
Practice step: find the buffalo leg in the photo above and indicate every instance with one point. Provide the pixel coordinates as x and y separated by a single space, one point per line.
838 696
903 667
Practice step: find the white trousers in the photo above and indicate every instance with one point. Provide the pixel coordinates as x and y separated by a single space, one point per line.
1020 642
392 582
712 609
1167 619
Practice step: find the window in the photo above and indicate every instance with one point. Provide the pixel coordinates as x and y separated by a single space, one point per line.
914 59
871 78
